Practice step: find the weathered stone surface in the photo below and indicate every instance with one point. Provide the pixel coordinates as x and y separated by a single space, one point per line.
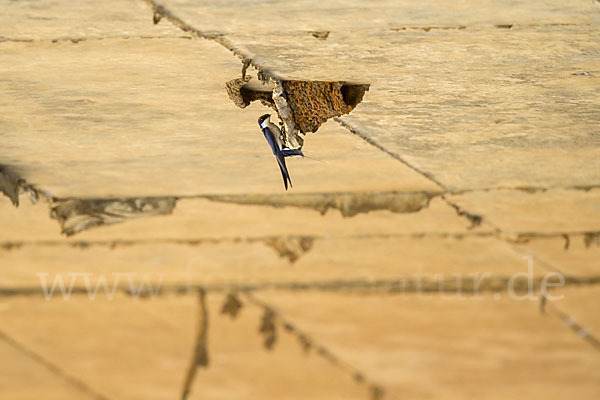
477 111
197 219
109 344
128 99
517 108
76 215
16 365
28 20
570 255
529 214
9 186
434 343
403 262
343 15
520 113
577 305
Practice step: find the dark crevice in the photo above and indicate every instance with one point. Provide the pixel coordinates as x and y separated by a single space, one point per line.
200 352
77 215
293 246
321 35
11 185
273 322
159 12
474 219
526 189
349 204
466 285
429 28
79 39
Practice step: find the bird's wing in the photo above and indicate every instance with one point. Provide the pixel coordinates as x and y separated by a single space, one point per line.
292 152
270 140
278 155
283 175
283 168
276 134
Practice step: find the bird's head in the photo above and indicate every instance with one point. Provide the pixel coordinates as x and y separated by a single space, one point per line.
264 118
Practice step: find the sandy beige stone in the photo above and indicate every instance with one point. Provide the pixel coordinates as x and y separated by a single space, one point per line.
489 114
580 305
136 349
20 367
139 117
517 212
577 259
449 348
489 99
85 19
367 260
345 15
205 219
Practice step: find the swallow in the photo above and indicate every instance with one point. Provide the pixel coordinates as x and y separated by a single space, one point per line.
273 135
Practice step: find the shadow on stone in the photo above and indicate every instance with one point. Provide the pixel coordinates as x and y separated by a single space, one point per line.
76 215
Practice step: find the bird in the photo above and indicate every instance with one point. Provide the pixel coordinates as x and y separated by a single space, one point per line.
273 135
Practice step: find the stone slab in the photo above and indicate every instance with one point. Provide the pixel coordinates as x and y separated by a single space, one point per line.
28 20
490 114
449 348
345 15
281 262
205 219
580 305
135 349
18 370
576 259
553 211
152 117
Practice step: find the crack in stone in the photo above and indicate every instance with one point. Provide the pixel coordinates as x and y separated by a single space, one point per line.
302 106
200 353
525 189
71 380
465 285
349 204
428 28
11 185
321 35
287 246
579 330
291 247
159 12
294 246
273 320
346 124
79 39
474 219
76 215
